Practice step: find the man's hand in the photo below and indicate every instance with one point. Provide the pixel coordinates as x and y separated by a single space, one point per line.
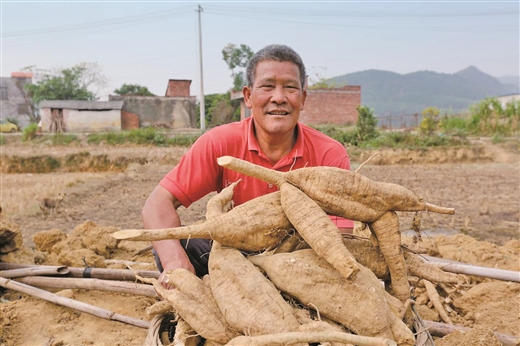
169 267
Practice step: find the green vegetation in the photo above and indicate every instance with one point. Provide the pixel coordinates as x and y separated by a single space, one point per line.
237 57
62 139
221 109
366 124
65 84
29 132
133 89
40 164
2 140
68 84
147 136
430 121
487 118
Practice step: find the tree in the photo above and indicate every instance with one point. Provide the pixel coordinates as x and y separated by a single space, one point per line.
133 89
237 57
220 109
75 83
366 124
430 122
80 82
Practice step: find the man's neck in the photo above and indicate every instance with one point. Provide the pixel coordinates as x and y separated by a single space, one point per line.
276 147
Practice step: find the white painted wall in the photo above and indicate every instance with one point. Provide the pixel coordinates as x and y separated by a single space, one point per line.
85 120
504 100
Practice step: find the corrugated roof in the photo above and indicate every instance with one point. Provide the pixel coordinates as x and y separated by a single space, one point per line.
87 105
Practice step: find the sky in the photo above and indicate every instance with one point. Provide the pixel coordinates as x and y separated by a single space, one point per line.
150 42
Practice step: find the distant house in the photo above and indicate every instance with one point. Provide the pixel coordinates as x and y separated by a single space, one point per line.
176 110
81 116
323 106
13 99
505 99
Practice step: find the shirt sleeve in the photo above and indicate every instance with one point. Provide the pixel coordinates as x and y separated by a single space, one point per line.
196 175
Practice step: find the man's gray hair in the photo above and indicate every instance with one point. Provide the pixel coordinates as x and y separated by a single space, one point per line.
276 52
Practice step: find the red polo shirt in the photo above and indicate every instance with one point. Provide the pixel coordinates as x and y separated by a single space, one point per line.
198 172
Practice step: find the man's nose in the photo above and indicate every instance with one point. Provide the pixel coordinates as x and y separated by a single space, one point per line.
279 95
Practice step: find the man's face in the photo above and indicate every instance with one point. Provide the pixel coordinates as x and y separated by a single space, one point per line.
276 96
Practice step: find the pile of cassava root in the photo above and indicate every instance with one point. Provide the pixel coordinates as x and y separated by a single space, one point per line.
310 284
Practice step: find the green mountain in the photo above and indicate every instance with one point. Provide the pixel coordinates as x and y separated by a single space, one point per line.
390 93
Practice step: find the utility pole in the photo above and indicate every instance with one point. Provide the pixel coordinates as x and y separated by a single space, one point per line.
202 108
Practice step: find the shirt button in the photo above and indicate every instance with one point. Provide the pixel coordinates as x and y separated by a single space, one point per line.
270 186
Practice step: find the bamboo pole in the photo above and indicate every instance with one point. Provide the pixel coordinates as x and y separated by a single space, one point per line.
463 268
33 271
71 303
443 329
89 272
91 284
126 263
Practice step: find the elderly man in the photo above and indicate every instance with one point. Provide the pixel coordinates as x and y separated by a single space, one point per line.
272 137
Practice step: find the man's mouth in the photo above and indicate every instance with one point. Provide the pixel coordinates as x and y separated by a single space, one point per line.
278 112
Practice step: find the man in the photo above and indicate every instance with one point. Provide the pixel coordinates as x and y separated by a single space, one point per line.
271 137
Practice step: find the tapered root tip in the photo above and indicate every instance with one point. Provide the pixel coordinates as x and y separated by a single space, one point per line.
348 271
224 160
440 210
128 234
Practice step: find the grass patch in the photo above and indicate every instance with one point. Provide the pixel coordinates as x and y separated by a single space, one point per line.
34 164
85 162
29 132
61 139
410 140
182 140
147 136
339 133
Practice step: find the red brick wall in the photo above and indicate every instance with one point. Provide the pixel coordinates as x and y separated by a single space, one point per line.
129 121
332 106
178 88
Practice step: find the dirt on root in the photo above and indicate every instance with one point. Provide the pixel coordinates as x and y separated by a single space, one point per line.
482 187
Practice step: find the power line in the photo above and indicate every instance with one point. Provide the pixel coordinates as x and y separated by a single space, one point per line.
381 27
348 13
136 20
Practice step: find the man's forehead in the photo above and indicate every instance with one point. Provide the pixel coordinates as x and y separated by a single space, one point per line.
269 76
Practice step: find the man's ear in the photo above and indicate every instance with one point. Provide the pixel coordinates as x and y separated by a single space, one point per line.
246 91
304 97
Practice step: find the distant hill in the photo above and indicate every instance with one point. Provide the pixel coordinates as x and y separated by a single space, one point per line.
512 82
390 93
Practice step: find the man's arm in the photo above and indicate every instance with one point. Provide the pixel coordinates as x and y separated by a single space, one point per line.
159 211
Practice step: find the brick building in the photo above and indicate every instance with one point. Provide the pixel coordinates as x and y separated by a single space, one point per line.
176 110
332 106
178 88
323 106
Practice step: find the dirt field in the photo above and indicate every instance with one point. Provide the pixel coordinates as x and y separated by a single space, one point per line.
481 183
